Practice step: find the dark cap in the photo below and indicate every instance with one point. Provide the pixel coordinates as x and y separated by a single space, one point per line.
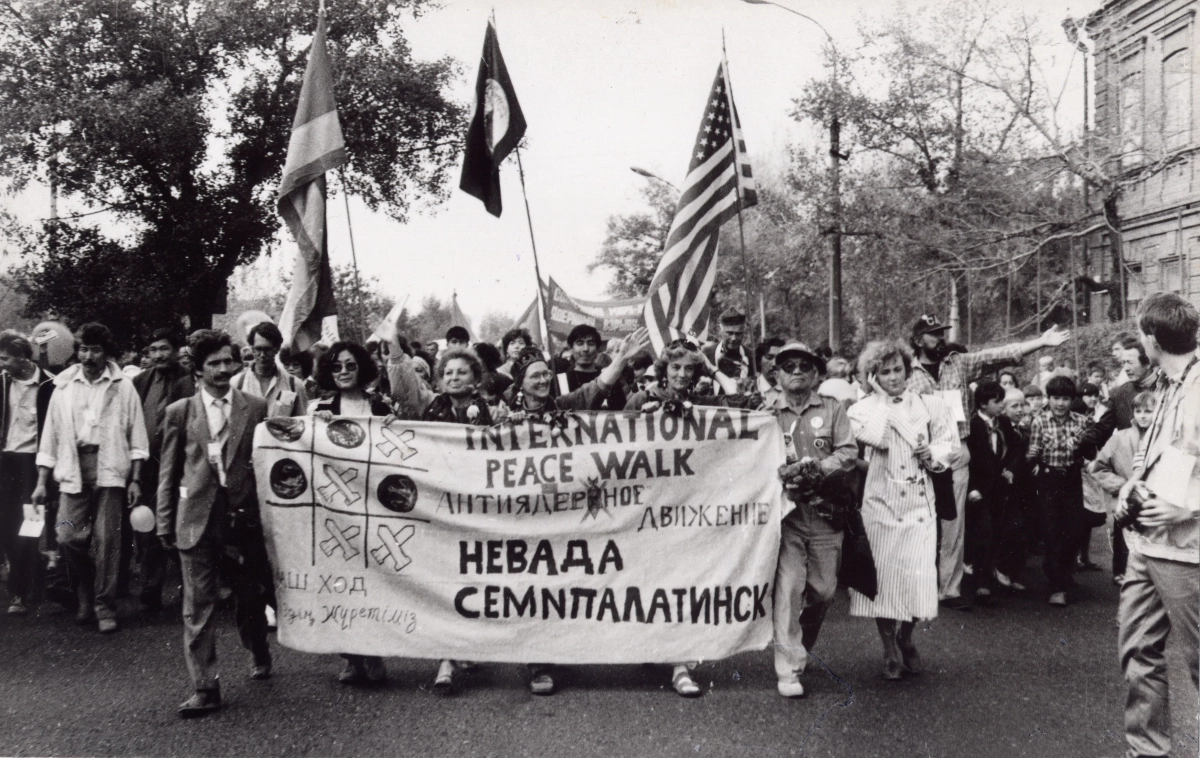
927 325
458 334
584 330
733 317
800 349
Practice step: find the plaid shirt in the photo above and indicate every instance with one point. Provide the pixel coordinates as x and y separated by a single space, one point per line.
958 371
1055 441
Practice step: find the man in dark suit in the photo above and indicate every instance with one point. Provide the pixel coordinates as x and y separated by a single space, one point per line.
159 386
990 478
208 510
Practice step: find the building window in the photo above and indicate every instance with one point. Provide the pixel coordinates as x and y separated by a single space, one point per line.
1172 274
1132 110
1177 90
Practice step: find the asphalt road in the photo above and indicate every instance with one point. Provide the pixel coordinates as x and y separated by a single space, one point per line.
1018 679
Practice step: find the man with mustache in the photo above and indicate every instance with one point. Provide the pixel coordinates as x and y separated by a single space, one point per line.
939 371
208 510
93 442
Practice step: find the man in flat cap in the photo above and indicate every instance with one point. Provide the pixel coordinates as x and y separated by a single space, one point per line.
821 452
730 354
939 371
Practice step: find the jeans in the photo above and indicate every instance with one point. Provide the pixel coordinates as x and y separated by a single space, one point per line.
810 551
1060 492
1159 598
89 536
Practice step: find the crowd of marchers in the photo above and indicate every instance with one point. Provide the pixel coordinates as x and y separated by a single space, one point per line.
950 470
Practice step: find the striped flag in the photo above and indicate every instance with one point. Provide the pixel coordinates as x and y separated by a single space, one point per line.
718 178
316 146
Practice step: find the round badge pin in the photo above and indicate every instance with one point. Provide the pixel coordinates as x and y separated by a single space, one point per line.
817 422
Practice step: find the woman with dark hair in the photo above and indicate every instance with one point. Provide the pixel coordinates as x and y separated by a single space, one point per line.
514 342
907 436
678 368
345 372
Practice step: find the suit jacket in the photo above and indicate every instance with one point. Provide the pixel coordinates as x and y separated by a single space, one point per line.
986 467
187 482
179 386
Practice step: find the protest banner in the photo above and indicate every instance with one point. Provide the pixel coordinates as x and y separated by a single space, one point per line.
615 538
612 318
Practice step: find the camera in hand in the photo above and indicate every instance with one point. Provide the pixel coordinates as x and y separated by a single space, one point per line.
1133 509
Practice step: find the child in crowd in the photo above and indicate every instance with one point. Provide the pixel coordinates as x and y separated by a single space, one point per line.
1018 532
1114 465
1035 399
1054 438
990 480
1092 407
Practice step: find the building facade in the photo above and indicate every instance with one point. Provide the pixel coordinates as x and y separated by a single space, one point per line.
1147 131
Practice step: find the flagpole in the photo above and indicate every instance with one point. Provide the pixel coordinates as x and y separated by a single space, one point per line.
537 269
362 325
737 178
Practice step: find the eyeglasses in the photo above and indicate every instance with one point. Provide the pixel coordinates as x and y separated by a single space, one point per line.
258 350
348 366
795 367
681 342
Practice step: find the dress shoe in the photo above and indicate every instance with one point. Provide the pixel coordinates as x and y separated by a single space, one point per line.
791 689
1058 599
1017 587
542 684
202 703
261 671
956 603
17 606
983 596
1002 579
107 625
85 615
893 671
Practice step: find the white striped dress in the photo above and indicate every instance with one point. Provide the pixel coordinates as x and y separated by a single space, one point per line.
898 508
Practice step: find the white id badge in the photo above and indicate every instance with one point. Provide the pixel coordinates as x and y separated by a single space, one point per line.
283 406
182 493
35 520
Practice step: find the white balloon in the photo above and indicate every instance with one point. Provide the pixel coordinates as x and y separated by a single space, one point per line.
141 519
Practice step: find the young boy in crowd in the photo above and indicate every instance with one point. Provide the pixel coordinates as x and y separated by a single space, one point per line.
1054 438
988 487
1035 399
1093 408
1114 465
1017 533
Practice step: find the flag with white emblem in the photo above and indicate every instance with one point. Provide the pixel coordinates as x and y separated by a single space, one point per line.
496 128
718 178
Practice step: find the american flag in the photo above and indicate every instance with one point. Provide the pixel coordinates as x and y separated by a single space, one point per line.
718 179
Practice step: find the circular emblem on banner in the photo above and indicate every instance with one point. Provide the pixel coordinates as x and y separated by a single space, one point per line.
286 429
345 433
287 479
817 422
397 493
495 114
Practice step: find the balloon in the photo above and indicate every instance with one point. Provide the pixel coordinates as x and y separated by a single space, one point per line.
248 320
53 340
141 519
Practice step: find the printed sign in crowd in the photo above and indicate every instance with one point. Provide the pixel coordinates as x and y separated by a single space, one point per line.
615 538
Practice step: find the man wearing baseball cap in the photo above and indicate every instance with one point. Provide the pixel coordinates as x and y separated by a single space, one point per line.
730 355
821 452
939 371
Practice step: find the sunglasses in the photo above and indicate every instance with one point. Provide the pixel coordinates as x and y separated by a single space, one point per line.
795 367
681 342
348 366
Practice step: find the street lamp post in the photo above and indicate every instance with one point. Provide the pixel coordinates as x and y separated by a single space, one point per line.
835 186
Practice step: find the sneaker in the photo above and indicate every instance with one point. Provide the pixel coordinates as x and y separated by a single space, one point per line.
968 569
444 682
1059 599
17 607
791 689
685 685
107 626
1017 587
1003 580
542 684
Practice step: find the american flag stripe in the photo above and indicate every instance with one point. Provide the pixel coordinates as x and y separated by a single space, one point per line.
718 177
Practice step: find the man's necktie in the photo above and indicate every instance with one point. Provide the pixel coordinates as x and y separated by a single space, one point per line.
223 419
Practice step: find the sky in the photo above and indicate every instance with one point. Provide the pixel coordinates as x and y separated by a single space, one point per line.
604 85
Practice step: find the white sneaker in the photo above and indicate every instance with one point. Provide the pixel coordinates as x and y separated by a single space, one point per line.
445 677
1002 579
1059 599
968 569
791 689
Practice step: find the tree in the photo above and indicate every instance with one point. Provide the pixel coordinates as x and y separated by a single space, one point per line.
493 325
172 117
634 242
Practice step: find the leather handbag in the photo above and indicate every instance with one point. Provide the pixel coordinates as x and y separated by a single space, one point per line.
858 562
943 494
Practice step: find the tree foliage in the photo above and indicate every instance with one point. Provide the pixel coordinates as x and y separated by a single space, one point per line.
634 242
172 117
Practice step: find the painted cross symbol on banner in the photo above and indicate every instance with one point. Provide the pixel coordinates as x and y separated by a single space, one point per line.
393 546
339 539
339 484
393 442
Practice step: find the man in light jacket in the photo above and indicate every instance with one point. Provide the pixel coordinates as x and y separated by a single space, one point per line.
93 443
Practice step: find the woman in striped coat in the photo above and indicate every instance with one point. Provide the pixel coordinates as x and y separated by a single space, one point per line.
906 436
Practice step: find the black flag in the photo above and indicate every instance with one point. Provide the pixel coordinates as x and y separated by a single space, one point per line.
495 130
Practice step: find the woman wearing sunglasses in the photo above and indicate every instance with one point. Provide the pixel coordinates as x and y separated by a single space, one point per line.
906 437
345 373
678 368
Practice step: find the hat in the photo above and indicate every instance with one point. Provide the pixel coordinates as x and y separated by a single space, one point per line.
801 349
927 325
584 330
527 358
733 317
